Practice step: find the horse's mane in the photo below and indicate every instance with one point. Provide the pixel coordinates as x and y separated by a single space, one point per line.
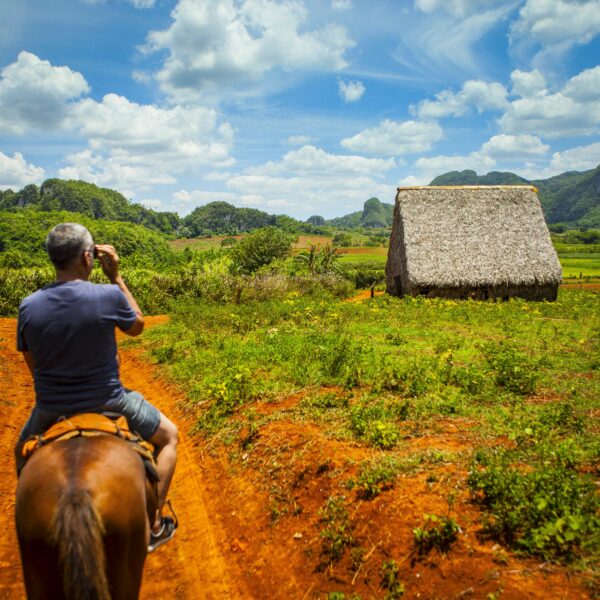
78 531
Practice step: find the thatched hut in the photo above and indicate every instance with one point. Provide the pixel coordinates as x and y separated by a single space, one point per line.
471 242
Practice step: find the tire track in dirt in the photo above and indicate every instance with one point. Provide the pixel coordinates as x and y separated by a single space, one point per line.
192 565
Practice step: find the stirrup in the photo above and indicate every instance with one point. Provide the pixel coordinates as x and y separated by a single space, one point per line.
167 530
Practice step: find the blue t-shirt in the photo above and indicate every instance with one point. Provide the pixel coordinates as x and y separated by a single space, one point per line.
69 328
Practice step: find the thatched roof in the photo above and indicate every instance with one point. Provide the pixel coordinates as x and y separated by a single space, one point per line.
472 236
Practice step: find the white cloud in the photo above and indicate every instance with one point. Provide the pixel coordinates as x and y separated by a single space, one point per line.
584 87
436 165
341 4
310 180
181 137
509 150
310 160
562 23
199 197
36 95
113 172
351 91
580 158
572 111
298 140
16 173
475 94
527 83
133 146
213 44
439 42
393 138
217 175
514 147
153 203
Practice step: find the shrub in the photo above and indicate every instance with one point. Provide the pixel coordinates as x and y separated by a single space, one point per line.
390 580
436 532
547 509
337 534
514 371
375 476
258 249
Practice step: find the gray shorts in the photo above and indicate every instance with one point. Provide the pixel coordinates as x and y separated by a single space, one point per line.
143 418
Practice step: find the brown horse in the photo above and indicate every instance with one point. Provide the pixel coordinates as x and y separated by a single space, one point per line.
82 515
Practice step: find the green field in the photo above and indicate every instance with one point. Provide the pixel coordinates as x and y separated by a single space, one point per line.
520 379
580 265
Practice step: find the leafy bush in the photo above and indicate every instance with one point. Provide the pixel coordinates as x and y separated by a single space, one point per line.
436 532
375 476
337 534
546 509
514 371
258 249
390 580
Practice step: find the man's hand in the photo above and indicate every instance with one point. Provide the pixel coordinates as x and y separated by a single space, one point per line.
109 260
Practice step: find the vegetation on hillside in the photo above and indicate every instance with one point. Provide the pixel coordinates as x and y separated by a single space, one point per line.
89 200
572 198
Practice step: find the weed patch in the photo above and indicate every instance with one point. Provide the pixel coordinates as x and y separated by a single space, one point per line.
544 507
436 532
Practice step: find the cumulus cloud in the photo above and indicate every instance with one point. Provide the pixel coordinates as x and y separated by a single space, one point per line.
514 147
527 83
393 138
562 23
310 160
341 4
153 203
199 197
475 94
36 95
580 158
213 44
572 111
351 91
133 146
310 180
16 172
507 150
436 165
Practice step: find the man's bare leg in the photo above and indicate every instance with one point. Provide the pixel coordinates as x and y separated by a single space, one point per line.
165 440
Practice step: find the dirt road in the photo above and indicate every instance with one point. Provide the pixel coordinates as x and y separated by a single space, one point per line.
173 571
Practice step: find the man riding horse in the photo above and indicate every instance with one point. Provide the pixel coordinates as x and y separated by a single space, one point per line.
66 332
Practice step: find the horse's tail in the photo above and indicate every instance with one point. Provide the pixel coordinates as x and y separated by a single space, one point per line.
78 532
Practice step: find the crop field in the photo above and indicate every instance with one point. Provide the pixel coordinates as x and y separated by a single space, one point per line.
402 444
578 260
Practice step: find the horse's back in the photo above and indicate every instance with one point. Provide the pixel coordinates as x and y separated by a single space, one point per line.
83 499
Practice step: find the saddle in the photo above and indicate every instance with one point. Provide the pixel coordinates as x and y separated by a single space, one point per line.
90 425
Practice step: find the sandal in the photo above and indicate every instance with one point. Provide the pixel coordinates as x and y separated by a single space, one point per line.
167 531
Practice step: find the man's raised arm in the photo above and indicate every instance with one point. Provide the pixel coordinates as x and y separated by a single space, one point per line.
109 259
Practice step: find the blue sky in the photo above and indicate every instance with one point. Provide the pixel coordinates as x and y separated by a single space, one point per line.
298 107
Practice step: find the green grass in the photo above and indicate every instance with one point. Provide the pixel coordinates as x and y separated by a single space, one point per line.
525 376
580 265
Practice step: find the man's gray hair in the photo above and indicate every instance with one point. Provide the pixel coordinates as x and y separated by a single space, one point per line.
67 242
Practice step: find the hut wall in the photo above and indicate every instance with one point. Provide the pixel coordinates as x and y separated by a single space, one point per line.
396 272
547 292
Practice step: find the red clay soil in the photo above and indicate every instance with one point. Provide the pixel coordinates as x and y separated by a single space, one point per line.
249 512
